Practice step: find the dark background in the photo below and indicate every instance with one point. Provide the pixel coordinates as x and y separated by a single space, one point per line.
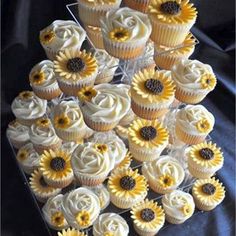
21 22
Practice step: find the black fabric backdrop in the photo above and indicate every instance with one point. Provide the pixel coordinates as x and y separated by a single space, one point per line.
21 22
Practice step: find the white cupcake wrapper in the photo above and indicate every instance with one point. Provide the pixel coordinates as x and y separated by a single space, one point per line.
95 37
47 93
147 232
41 148
18 144
175 221
71 135
62 183
200 174
44 197
204 207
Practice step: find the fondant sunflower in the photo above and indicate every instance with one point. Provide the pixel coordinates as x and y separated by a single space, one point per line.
71 232
24 95
87 93
61 121
58 219
108 233
154 86
174 12
166 181
119 34
83 218
75 65
187 209
102 148
125 163
37 78
148 134
148 215
208 81
47 37
22 154
204 126
43 122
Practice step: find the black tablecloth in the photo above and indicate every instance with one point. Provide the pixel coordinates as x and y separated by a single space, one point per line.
21 22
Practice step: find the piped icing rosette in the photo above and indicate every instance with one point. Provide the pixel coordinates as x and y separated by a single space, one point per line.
28 158
68 121
178 206
193 79
81 208
27 107
92 163
110 224
43 136
18 134
61 34
164 174
125 32
116 147
43 80
104 105
193 124
52 212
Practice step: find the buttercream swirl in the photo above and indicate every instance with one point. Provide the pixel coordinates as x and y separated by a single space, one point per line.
69 147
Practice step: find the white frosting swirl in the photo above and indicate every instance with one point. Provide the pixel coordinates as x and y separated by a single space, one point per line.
187 73
110 222
69 147
110 104
175 201
31 108
188 117
78 200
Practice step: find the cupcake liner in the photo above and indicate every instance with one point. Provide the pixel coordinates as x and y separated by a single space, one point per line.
60 183
95 36
147 113
138 5
51 55
66 135
143 232
46 93
188 138
173 220
203 207
28 122
105 76
18 144
148 65
41 148
43 199
169 35
200 174
91 180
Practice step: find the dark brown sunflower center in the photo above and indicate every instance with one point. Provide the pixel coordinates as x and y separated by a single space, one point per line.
87 93
208 189
166 180
58 219
119 35
75 64
61 121
42 182
208 81
127 182
47 36
206 153
36 77
58 164
147 214
170 7
148 132
154 85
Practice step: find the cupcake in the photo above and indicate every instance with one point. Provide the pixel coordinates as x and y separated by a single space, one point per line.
88 132
28 158
204 159
71 232
148 218
125 33
43 136
178 206
116 147
166 58
91 12
17 134
91 163
56 168
81 208
28 108
69 147
95 36
152 93
43 80
102 194
146 61
138 5
104 105
193 79
40 188
122 131
110 224
193 124
107 66
68 121
147 139
171 21
127 187
52 213
164 174
126 162
208 193
75 69
60 35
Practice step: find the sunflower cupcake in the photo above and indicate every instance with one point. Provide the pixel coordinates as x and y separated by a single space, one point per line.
164 174
125 33
74 70
208 193
204 159
43 80
43 136
127 187
193 79
178 206
40 188
138 5
56 168
68 121
95 35
171 21
193 124
28 108
81 207
147 139
71 232
52 212
152 93
148 217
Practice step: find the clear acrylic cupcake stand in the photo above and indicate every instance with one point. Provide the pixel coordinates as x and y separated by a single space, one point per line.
123 74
